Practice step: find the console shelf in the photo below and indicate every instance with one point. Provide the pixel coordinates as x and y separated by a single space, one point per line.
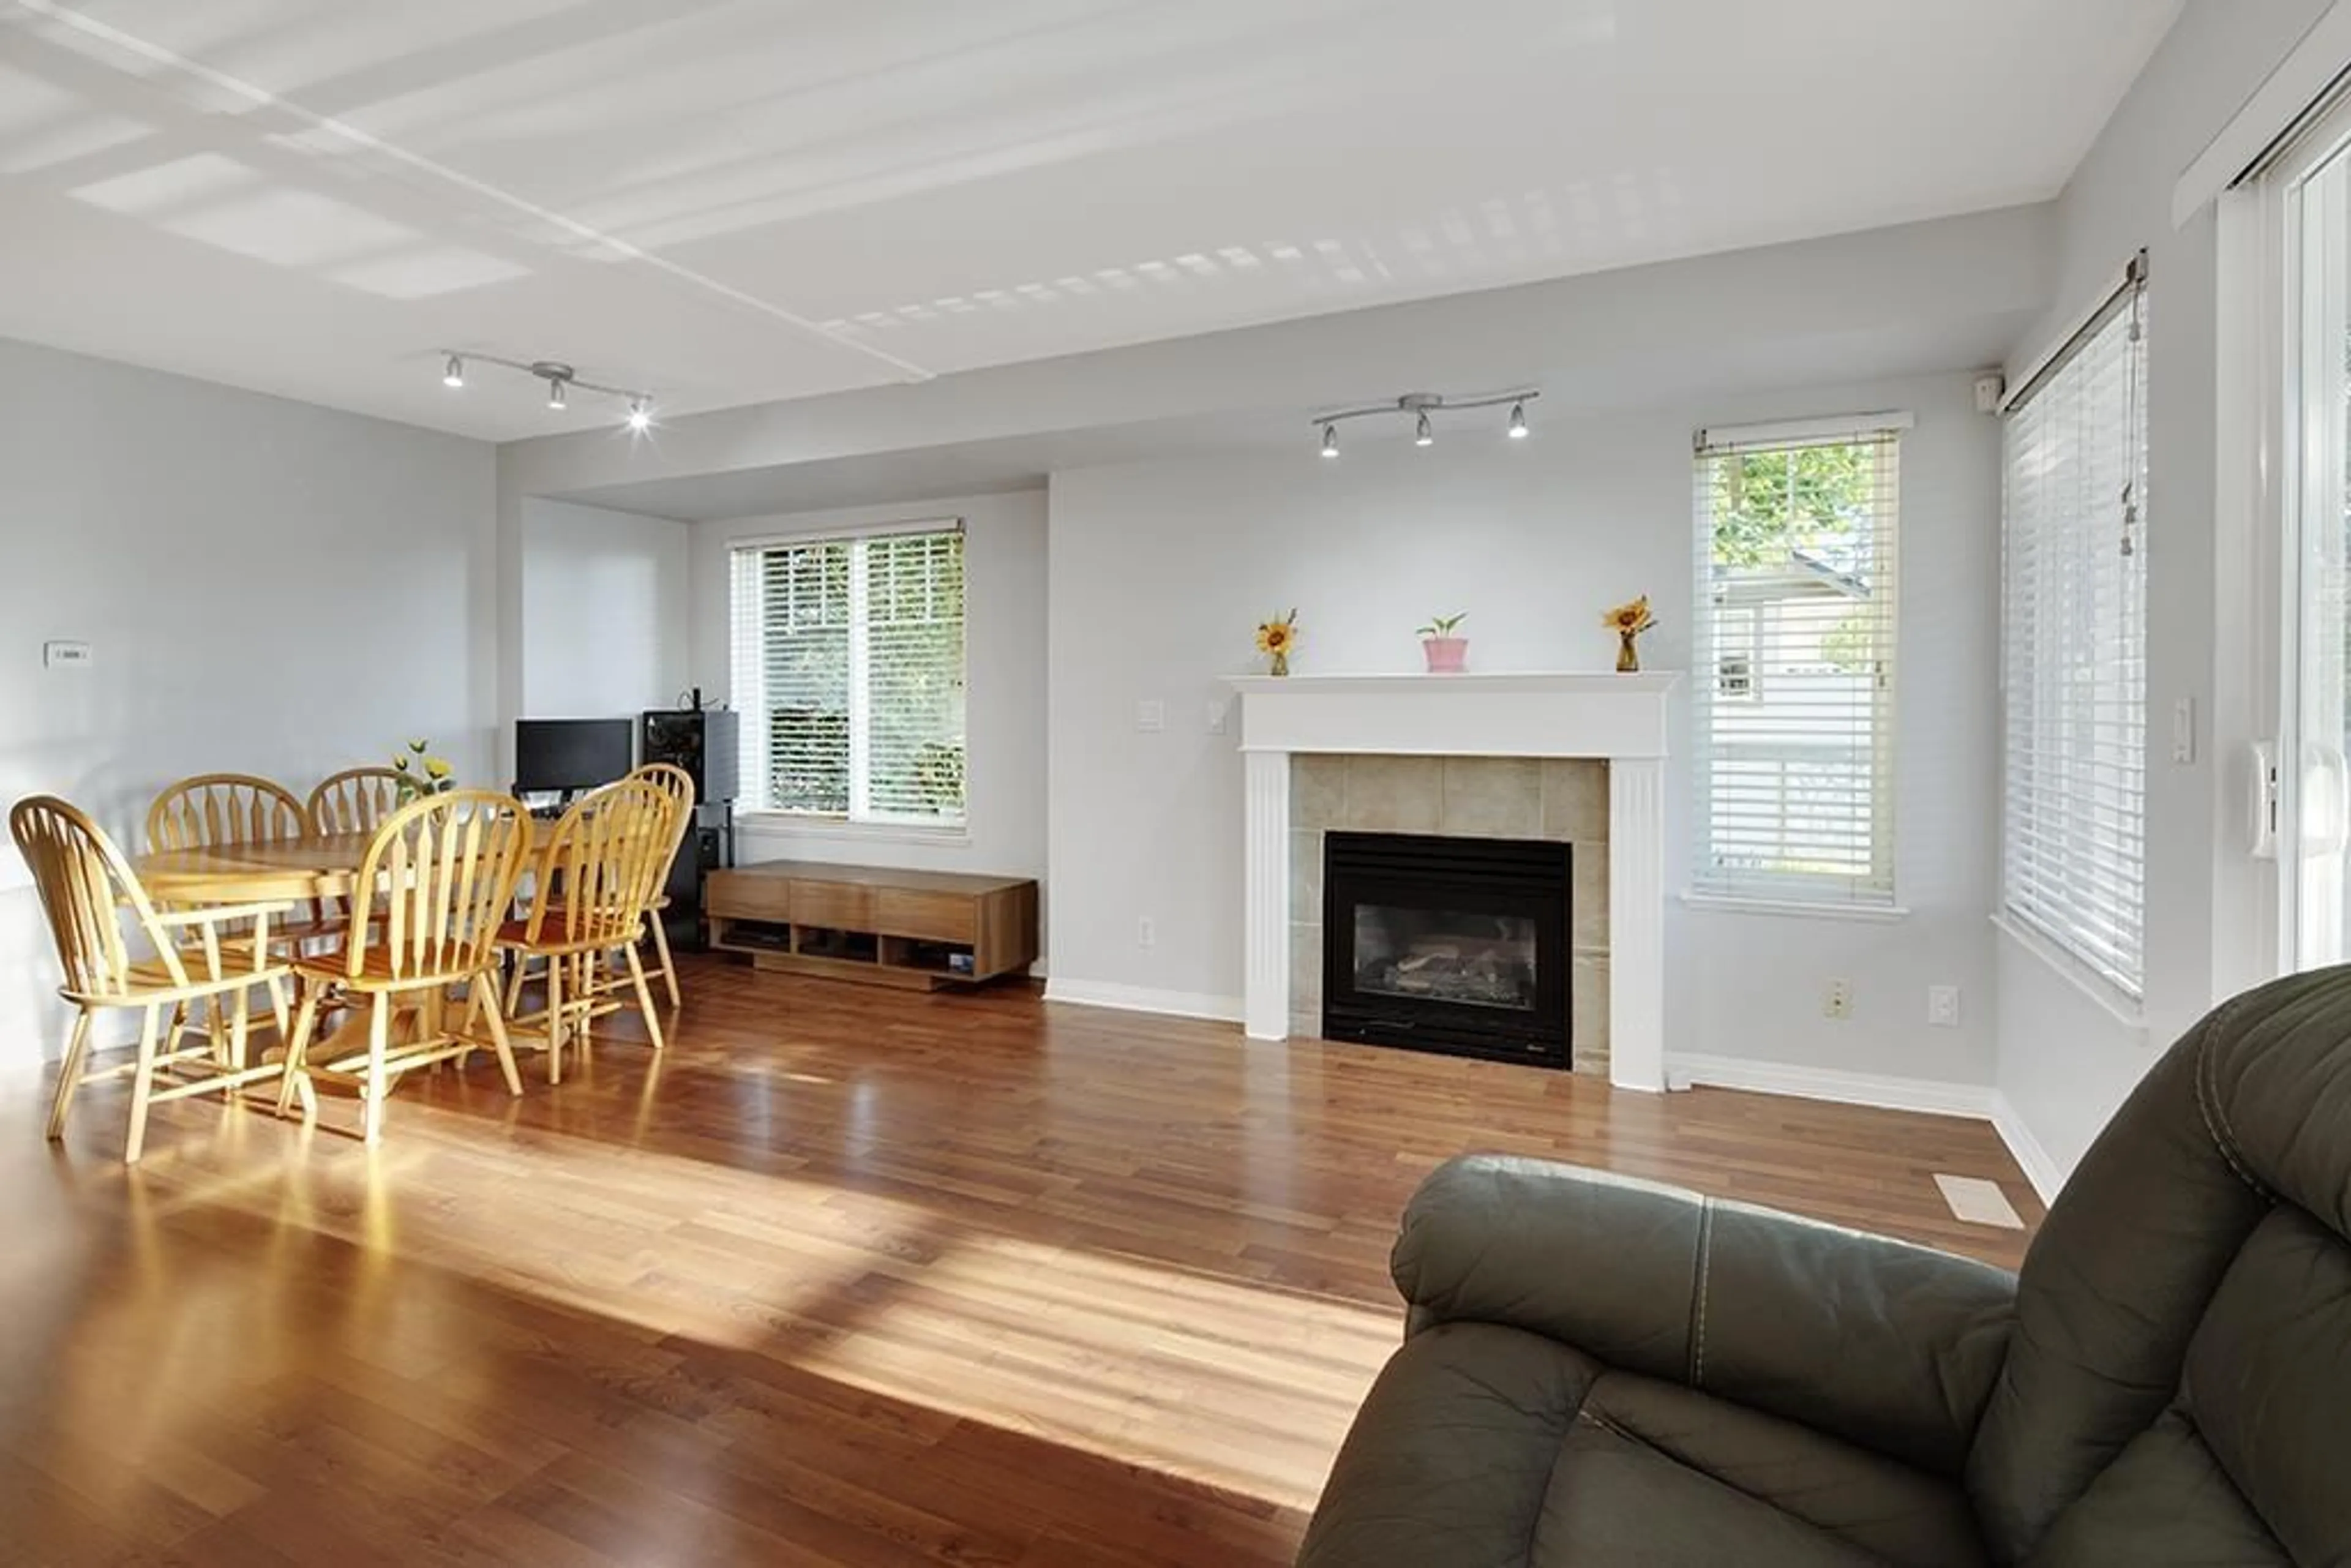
921 930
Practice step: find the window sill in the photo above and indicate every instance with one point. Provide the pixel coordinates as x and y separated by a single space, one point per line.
2110 999
1796 908
788 825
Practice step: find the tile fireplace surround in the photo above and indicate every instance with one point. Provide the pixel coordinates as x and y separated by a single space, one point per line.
1301 735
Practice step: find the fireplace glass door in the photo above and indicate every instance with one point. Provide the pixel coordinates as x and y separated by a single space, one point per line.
1452 945
1446 956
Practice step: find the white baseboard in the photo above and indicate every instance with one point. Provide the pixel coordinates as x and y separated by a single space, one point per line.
2039 1168
1143 999
1931 1095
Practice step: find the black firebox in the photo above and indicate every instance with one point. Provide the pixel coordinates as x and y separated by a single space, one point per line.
1451 945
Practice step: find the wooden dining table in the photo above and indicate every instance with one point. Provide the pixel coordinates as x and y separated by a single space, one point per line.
273 871
268 871
287 870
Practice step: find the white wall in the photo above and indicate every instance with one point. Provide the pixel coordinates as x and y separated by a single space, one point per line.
2065 1063
268 587
606 612
1161 570
1004 632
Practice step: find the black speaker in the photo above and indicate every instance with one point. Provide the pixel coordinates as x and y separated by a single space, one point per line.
707 848
706 742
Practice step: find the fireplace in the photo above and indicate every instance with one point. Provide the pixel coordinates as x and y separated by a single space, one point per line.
1454 944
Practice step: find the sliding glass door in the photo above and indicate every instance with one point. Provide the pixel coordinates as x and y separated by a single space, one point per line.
2311 196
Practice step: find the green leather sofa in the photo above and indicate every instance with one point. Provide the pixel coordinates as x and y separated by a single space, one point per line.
1599 1371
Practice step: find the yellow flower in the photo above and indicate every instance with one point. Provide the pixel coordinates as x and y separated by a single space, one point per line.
418 746
1633 617
436 767
399 764
1277 636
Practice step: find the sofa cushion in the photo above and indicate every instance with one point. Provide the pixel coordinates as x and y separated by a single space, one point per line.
1487 1447
2182 1314
2165 1502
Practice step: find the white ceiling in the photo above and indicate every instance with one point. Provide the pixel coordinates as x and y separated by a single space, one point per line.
737 201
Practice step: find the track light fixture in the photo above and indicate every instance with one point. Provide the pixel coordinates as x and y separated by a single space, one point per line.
1419 406
561 382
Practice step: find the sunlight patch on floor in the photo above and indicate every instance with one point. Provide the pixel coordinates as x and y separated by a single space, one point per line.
1223 1380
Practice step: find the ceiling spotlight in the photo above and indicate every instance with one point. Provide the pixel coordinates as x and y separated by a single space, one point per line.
560 379
1421 407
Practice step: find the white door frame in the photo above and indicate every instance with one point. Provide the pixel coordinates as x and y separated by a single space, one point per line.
2276 443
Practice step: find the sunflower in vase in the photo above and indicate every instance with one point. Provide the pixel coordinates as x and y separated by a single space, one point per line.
1275 639
1628 621
422 775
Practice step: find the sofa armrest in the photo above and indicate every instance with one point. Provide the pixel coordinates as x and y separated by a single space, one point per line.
1883 1344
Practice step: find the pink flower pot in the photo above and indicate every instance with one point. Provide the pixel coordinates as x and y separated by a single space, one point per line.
1446 656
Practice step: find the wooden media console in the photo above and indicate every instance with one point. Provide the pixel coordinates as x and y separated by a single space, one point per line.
916 929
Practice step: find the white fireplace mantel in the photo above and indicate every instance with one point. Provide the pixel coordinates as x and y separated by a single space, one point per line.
1621 718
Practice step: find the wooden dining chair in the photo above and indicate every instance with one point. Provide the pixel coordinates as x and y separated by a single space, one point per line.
678 785
442 870
87 888
355 800
598 879
208 810
214 808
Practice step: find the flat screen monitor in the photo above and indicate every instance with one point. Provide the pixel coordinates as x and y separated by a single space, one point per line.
570 753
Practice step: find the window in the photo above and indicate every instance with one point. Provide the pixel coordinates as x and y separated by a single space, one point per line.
849 669
2075 645
1796 593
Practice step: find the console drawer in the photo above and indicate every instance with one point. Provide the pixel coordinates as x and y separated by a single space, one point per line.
741 895
844 906
930 917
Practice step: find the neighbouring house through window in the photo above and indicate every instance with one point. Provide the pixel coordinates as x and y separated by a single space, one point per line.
1796 536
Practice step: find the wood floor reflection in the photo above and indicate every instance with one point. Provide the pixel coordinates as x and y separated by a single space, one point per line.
845 1276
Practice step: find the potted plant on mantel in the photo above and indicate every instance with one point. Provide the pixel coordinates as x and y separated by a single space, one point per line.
1448 654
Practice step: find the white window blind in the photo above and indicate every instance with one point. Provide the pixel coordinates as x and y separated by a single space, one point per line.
1793 691
849 669
2074 645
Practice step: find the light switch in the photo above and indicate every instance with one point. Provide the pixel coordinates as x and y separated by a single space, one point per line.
2183 731
54 654
1218 714
1150 716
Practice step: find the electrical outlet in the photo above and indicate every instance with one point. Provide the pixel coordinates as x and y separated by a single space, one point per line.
54 654
1145 933
1943 1006
1836 999
1150 716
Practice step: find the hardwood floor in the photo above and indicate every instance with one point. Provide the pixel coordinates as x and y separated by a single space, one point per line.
845 1276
